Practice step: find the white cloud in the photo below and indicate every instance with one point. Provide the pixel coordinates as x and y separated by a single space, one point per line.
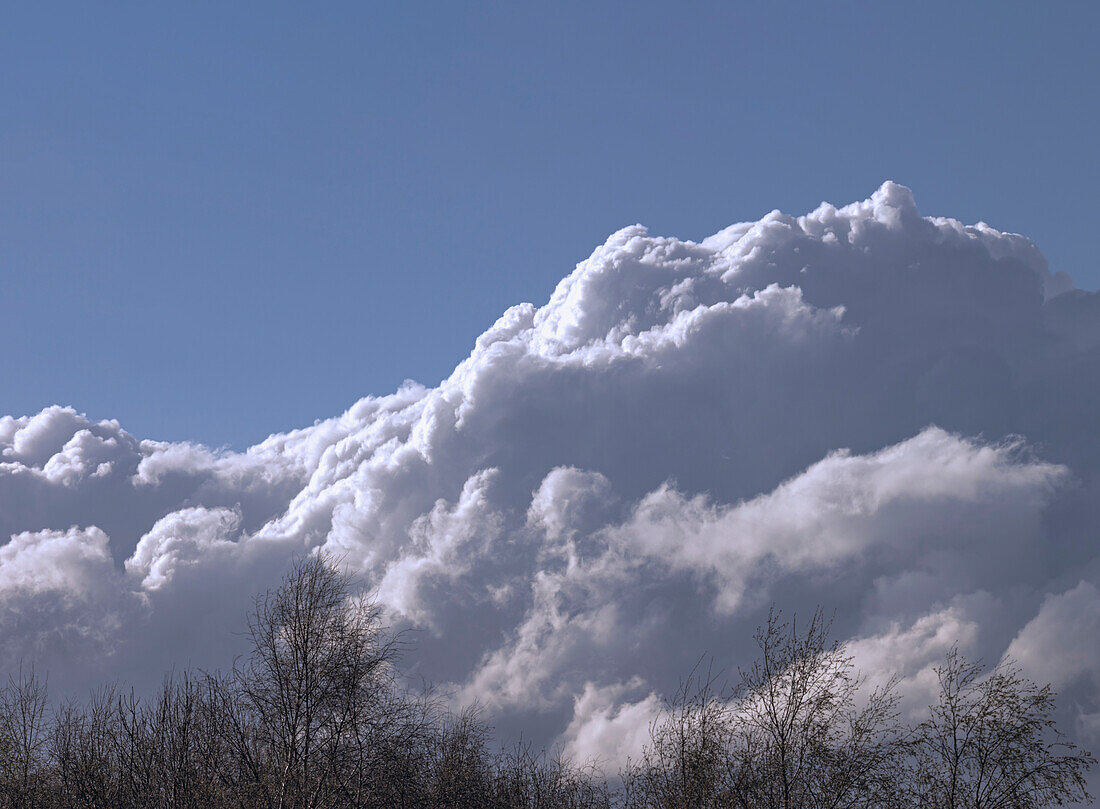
906 495
848 517
62 600
1059 645
912 651
444 544
74 562
617 481
184 537
607 730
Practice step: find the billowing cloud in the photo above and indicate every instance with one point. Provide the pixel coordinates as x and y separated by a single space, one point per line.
62 600
1057 645
907 499
607 729
894 415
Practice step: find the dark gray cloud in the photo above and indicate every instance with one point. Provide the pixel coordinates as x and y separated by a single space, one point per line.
862 407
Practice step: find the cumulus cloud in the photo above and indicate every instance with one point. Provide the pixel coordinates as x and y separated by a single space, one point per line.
908 496
182 538
841 522
1050 645
1058 646
911 651
890 414
607 730
61 597
443 546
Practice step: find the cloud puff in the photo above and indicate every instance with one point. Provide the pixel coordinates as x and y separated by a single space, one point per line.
62 600
1058 645
184 537
909 496
607 730
74 562
935 502
892 414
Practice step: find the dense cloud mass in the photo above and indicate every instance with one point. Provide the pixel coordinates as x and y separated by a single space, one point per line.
891 415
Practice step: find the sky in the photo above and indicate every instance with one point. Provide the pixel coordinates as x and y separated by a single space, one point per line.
228 244
220 221
890 415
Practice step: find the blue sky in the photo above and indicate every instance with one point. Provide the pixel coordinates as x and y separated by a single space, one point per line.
219 221
222 220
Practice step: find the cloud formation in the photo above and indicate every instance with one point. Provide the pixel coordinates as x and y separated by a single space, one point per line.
890 414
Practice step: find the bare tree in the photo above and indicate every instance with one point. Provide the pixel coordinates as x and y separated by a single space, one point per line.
458 764
309 712
688 761
85 744
805 737
795 732
316 717
23 737
991 742
525 779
